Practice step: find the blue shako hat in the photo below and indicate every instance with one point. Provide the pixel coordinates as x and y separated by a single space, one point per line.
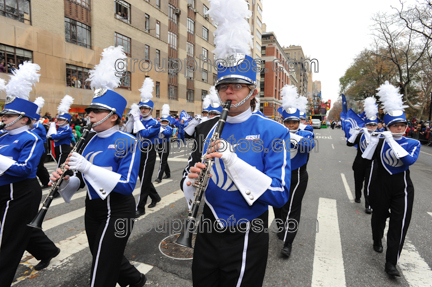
370 111
291 114
108 100
392 103
147 104
215 108
206 103
146 94
215 105
64 107
302 116
237 68
65 117
40 102
290 103
18 106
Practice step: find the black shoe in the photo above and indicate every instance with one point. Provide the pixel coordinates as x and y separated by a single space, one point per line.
286 251
391 270
368 210
377 246
141 282
357 200
44 263
139 213
158 180
166 176
153 203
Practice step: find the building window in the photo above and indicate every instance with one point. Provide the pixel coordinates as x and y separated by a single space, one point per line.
214 79
263 50
203 94
157 89
122 10
259 36
205 53
172 92
124 41
84 3
205 9
147 23
204 75
13 57
125 81
259 10
157 60
147 53
158 3
77 33
77 77
16 9
172 40
190 96
172 15
191 3
190 49
205 33
190 26
259 22
189 74
157 29
258 46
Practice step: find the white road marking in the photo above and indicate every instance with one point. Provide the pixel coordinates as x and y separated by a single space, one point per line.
430 213
332 146
426 153
328 266
347 188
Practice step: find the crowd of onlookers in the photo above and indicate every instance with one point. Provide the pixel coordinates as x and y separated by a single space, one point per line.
9 67
420 130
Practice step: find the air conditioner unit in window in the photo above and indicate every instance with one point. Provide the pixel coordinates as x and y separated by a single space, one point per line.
189 5
206 17
195 10
191 78
177 11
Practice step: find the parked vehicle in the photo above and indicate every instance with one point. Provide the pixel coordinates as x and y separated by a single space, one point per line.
316 123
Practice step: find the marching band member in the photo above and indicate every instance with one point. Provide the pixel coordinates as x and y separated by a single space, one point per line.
302 142
20 153
361 138
147 129
230 251
109 168
39 129
164 146
190 128
63 135
391 189
302 104
215 108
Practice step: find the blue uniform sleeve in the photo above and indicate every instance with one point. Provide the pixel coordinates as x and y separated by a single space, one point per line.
151 131
128 167
307 143
28 158
277 165
413 150
167 132
64 134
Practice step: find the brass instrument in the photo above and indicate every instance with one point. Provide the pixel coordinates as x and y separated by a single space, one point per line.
185 238
37 221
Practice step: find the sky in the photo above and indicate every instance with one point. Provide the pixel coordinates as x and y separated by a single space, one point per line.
334 32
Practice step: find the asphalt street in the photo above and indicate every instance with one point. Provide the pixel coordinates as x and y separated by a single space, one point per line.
333 246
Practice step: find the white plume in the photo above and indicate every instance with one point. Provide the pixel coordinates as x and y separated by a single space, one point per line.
165 110
302 102
147 89
390 98
40 102
370 107
257 105
22 80
214 96
289 97
65 105
206 102
107 73
233 34
2 85
134 109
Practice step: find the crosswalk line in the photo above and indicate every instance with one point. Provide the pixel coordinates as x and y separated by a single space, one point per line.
78 242
430 213
347 188
328 265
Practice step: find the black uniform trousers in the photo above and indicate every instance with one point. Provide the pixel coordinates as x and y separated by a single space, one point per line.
361 168
42 172
290 213
19 203
232 257
394 193
108 225
147 163
61 153
163 151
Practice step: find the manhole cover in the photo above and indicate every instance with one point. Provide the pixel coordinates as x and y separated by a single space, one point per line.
169 248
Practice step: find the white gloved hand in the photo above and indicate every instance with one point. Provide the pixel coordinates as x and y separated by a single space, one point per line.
374 139
136 115
387 135
354 133
227 151
78 163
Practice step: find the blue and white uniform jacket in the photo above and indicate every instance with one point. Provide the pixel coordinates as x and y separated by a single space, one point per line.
265 174
386 157
21 151
63 136
150 134
307 128
115 151
40 130
299 150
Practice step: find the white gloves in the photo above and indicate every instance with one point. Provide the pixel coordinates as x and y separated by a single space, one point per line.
78 163
52 129
227 151
296 138
136 115
5 163
138 125
354 133
387 135
397 149
370 150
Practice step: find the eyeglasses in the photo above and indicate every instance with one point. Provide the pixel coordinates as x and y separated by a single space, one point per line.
234 87
399 125
96 111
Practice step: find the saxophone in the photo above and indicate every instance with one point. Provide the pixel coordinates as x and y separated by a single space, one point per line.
185 238
37 221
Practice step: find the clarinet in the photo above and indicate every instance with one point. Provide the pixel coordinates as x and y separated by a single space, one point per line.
185 238
37 221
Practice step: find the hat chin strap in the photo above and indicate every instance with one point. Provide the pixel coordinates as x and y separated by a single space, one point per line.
242 101
146 114
104 119
15 121
294 131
